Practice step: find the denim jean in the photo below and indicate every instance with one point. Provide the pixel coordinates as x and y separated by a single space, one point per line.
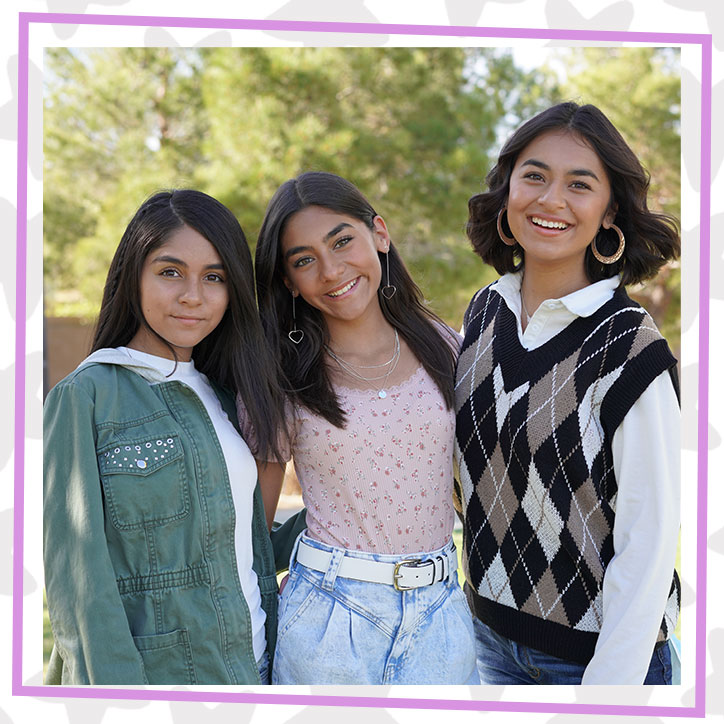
503 661
263 665
335 630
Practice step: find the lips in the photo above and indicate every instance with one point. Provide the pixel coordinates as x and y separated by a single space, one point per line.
339 291
555 224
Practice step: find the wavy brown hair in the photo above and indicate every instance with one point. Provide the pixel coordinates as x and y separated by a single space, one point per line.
651 238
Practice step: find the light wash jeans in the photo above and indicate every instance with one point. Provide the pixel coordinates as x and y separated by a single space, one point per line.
335 630
503 661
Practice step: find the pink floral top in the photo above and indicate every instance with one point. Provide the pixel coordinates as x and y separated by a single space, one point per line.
384 482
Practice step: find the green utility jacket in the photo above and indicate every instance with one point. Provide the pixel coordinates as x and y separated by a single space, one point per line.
140 569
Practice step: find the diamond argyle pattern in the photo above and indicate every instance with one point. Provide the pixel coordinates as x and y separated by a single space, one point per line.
533 447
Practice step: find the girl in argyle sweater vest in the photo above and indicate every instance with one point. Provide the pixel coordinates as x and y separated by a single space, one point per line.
567 436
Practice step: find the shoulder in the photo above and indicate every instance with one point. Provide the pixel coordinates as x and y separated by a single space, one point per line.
452 338
484 301
627 345
90 377
481 295
248 432
622 317
82 380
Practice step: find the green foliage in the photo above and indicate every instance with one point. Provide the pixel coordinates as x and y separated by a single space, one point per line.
417 129
119 123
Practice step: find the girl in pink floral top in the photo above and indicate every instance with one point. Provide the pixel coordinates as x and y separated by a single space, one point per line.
372 595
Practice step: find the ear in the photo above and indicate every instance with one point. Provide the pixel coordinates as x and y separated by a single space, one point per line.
290 287
609 216
381 235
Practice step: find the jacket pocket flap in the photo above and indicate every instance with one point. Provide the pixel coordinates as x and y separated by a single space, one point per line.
139 457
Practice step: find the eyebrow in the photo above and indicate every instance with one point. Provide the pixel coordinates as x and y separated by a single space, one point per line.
572 172
330 234
167 259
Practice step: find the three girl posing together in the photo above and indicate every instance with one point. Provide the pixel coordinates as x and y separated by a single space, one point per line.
566 442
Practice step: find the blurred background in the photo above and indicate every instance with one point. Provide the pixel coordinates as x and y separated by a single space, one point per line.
417 129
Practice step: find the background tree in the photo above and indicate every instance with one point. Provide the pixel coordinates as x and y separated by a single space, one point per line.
118 124
416 128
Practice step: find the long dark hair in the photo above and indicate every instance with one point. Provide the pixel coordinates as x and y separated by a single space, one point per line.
235 355
651 238
303 364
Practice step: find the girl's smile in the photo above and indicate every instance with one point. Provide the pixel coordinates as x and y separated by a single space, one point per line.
343 289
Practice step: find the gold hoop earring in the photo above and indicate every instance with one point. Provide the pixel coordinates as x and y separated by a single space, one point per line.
618 253
507 240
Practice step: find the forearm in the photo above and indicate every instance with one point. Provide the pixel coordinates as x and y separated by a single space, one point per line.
271 478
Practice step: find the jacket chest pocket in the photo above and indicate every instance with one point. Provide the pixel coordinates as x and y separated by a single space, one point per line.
144 481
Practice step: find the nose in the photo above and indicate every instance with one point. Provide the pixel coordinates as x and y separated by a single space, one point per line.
330 268
192 292
552 196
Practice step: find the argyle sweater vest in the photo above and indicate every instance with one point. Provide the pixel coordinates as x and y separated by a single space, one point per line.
533 447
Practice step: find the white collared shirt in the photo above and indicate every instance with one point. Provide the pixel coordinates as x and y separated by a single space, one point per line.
646 462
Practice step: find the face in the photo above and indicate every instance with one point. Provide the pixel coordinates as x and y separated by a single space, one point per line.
183 295
331 260
559 197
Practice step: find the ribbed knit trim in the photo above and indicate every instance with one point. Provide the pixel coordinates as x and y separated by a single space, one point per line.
649 364
547 636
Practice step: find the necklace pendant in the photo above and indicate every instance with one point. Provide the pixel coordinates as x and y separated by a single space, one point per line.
382 394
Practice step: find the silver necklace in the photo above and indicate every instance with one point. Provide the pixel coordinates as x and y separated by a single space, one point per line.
396 351
348 367
525 311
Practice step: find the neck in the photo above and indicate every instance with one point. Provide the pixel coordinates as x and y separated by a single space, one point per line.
540 284
362 340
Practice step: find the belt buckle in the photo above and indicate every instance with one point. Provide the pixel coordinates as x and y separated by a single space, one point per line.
397 575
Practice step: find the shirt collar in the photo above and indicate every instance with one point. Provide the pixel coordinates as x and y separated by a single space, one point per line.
581 303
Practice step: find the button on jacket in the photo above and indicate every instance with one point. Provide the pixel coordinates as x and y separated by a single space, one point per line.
140 570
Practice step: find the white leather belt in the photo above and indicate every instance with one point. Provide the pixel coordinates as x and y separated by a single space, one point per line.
404 575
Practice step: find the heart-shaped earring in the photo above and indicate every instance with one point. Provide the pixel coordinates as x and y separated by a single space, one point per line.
294 334
388 291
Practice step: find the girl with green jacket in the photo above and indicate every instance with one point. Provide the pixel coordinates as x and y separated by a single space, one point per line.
159 567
